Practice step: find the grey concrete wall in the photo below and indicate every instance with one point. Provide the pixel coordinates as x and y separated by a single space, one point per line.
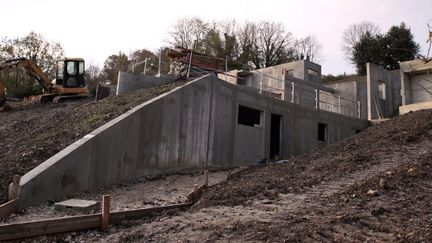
420 87
388 106
192 126
130 81
354 90
274 79
165 134
299 126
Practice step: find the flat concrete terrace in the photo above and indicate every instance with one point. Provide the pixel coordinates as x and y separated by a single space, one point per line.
162 191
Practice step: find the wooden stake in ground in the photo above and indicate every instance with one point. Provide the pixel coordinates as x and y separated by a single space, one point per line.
206 178
15 185
106 204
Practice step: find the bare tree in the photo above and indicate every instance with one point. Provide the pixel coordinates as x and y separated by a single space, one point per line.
189 33
274 44
354 33
308 48
264 44
247 35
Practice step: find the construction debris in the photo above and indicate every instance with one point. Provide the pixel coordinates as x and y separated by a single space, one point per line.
189 57
78 205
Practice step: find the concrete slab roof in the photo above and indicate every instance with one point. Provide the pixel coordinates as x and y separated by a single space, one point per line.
416 67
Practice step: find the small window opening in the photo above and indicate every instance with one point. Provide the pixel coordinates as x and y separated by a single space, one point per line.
249 116
70 67
313 75
290 73
60 69
322 132
382 90
241 80
81 67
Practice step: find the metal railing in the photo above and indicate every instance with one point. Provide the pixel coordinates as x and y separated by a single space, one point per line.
299 92
303 93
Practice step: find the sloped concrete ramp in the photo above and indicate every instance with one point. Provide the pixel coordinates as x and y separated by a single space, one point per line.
143 141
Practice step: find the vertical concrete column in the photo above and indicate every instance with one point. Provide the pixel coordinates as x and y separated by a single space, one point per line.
292 92
402 89
369 91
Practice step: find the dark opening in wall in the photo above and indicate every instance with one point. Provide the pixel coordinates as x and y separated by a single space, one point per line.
249 116
322 132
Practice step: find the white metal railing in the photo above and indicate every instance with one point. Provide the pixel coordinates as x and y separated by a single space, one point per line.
309 95
300 92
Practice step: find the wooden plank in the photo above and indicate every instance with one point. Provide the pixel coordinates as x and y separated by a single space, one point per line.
106 204
74 223
118 217
8 208
50 226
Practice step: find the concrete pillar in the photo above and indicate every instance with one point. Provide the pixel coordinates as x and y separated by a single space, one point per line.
369 91
402 89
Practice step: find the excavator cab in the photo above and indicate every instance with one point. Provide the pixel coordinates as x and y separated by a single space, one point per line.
70 73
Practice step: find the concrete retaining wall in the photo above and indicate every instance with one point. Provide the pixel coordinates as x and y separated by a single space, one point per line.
130 81
415 107
165 134
192 126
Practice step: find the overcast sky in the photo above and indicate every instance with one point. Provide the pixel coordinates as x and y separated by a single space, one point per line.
96 29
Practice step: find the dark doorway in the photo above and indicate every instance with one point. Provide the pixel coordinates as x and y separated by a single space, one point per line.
275 136
322 132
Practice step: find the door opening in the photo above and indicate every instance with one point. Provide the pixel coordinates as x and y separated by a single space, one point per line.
275 136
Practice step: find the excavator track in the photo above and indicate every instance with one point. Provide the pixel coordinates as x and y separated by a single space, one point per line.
62 98
2 101
46 98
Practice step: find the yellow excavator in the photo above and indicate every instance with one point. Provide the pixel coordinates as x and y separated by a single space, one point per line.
69 82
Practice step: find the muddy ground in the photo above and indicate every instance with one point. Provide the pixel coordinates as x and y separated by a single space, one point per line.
162 191
32 133
375 186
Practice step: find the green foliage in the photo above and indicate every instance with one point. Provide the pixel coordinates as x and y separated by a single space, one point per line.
330 77
36 48
387 50
114 64
370 49
134 63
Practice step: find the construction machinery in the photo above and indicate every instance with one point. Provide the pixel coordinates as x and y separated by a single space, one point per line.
69 82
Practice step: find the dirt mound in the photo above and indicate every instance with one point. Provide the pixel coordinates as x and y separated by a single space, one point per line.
33 133
353 154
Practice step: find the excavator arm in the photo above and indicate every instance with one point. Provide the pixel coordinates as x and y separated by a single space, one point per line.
32 69
2 93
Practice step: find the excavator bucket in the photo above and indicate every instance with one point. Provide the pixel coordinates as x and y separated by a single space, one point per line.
3 105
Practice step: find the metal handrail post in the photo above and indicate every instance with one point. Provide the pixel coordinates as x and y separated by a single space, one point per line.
292 92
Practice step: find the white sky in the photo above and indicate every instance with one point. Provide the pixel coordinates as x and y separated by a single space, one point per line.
95 29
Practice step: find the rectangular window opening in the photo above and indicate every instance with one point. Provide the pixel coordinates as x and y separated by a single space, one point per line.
382 90
290 73
249 116
322 132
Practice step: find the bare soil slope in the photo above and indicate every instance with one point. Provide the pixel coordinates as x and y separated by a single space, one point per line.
32 133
